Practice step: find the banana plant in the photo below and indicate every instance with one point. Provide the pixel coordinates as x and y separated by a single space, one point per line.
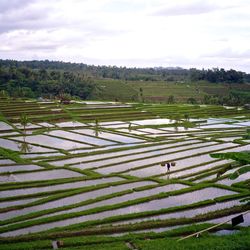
241 157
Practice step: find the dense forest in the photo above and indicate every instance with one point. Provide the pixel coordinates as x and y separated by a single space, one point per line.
158 73
219 76
23 81
54 78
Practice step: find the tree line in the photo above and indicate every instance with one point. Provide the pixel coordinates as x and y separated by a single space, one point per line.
27 82
214 75
53 79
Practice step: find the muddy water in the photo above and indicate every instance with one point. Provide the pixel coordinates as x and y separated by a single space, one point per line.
78 184
49 141
159 159
80 138
140 156
22 146
41 175
101 157
186 213
178 200
75 199
14 203
114 137
19 168
126 197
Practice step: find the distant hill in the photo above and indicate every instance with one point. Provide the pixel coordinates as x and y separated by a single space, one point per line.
159 84
147 74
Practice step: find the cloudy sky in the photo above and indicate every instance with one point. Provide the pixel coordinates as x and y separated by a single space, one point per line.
141 33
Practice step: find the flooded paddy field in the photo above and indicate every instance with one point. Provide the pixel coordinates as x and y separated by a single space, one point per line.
109 166
17 168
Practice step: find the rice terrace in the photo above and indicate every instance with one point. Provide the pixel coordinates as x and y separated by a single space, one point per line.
124 125
112 175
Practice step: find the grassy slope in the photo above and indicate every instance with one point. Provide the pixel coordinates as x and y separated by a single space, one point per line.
113 90
229 242
159 91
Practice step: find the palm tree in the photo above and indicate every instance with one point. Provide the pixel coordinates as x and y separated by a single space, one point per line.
24 121
24 146
97 127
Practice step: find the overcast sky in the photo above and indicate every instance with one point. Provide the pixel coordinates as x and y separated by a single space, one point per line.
141 33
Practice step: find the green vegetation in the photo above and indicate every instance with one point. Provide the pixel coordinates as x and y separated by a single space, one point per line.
152 241
230 242
113 90
12 155
242 157
70 80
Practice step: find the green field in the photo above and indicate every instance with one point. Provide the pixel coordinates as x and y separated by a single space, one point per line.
159 91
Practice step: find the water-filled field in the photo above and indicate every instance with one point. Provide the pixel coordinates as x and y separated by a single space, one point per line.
97 166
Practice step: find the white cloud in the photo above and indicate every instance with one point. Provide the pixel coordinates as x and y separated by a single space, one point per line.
188 33
179 8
